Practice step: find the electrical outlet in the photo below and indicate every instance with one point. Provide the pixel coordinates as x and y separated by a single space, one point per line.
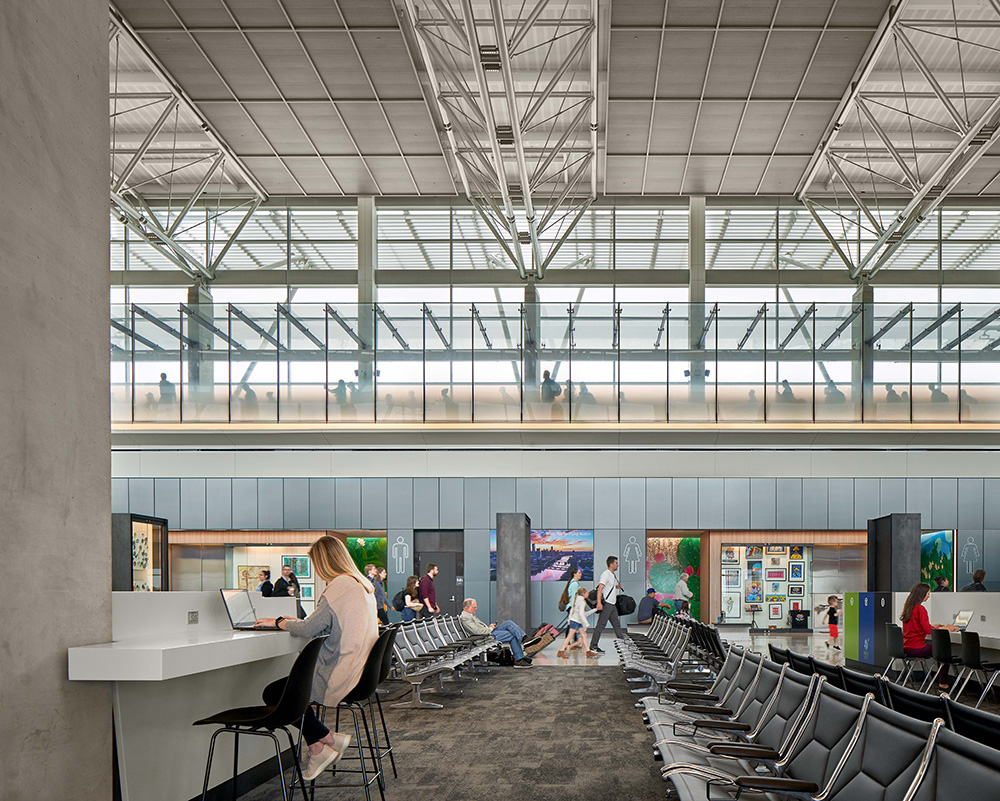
192 618
982 618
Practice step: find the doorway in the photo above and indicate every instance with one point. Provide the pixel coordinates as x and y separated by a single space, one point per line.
446 549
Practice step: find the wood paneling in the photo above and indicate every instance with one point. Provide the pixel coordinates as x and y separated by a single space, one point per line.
254 537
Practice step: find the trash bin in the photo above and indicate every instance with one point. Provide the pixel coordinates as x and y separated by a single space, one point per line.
800 618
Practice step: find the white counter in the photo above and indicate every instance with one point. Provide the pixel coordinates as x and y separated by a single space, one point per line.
167 673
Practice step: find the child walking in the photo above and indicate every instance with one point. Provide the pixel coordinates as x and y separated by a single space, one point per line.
832 617
576 635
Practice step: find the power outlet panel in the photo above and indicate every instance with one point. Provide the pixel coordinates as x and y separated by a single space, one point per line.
192 618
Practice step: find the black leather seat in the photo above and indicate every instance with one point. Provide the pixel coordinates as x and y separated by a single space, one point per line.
830 672
265 720
800 663
916 704
778 655
854 681
983 727
959 769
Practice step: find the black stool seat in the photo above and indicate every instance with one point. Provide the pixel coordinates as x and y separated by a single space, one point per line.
258 717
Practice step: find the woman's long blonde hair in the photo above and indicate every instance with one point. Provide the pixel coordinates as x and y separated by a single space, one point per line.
331 559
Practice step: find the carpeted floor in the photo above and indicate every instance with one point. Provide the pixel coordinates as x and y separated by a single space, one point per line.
519 735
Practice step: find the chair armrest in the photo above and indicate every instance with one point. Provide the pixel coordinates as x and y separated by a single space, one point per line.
422 659
705 709
685 696
722 725
776 783
746 751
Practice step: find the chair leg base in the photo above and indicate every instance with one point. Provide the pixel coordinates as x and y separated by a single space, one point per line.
416 702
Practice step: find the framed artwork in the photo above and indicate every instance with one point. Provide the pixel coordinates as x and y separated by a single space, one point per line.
300 565
731 605
796 572
774 586
246 576
797 590
796 551
775 561
755 551
775 599
730 578
755 592
774 612
307 592
754 607
755 571
775 574
730 555
776 549
796 605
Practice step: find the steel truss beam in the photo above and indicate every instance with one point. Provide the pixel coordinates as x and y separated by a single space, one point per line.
178 148
516 89
922 139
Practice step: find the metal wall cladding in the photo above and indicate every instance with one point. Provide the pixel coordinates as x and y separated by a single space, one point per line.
836 567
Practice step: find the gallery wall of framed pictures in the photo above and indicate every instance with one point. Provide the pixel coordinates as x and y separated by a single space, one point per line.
774 578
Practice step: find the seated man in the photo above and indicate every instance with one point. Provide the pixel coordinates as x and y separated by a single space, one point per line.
646 607
508 631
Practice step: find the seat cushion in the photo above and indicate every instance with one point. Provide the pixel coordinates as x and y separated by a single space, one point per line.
240 716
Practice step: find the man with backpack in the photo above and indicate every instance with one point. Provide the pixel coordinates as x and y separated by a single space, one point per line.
607 594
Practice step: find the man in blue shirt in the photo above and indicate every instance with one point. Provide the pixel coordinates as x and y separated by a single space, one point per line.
646 607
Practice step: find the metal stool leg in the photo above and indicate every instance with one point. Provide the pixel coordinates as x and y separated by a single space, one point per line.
987 688
373 752
281 768
388 744
236 760
361 755
296 749
208 767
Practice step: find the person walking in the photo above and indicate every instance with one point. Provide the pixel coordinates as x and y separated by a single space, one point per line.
427 595
607 594
345 615
381 606
832 617
576 634
265 588
572 585
411 599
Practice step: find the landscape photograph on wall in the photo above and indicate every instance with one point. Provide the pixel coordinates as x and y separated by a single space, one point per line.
555 553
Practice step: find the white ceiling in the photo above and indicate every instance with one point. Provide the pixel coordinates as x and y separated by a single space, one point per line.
323 97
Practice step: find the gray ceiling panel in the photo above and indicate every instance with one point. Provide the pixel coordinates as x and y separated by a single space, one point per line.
235 61
704 174
314 13
683 63
748 12
761 126
734 63
367 125
236 128
367 13
784 64
716 127
273 174
388 63
743 175
187 65
782 174
632 63
432 175
836 60
624 175
314 176
628 124
672 126
663 175
805 126
323 125
279 125
258 13
352 176
413 127
338 64
201 13
288 64
693 12
807 13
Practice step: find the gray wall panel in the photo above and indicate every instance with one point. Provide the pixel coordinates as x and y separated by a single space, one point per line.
659 503
841 508
555 503
606 503
685 503
193 503
632 567
218 503
763 500
503 498
815 514
606 543
581 503
788 494
374 503
244 503
866 501
968 555
322 503
270 503
451 506
399 502
991 503
548 604
944 503
970 503
167 500
737 503
991 558
348 502
536 603
140 496
632 503
711 502
918 499
119 495
528 499
477 503
480 590
296 500
892 493
425 503
477 554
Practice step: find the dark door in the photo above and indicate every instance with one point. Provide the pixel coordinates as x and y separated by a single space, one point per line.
445 587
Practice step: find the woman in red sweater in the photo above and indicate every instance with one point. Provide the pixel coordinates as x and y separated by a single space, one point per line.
917 628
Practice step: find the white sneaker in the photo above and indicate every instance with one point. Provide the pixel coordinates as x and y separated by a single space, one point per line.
319 762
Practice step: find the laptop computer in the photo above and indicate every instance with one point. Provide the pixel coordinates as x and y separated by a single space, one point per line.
241 613
963 618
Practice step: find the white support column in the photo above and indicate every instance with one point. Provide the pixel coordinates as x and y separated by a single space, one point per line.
367 291
696 288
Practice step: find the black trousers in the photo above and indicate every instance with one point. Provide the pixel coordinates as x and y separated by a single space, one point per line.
383 617
312 730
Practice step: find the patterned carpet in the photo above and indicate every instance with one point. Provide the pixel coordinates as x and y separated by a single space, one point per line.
519 735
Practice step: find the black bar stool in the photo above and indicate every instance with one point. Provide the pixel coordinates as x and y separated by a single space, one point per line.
264 721
894 645
943 655
972 661
354 702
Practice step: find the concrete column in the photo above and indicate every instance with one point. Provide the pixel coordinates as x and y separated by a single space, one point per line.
55 476
696 289
862 364
514 568
200 372
367 291
893 553
532 334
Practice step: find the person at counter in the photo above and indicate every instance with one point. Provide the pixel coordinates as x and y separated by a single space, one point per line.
977 584
288 584
917 628
265 588
345 614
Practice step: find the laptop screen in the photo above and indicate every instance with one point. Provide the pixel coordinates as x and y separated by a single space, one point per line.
240 610
964 618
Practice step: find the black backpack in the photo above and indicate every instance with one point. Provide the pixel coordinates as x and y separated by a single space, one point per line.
398 601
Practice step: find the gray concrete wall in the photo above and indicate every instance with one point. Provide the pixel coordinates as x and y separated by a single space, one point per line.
55 471
513 599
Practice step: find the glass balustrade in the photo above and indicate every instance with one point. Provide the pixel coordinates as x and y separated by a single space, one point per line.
584 363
